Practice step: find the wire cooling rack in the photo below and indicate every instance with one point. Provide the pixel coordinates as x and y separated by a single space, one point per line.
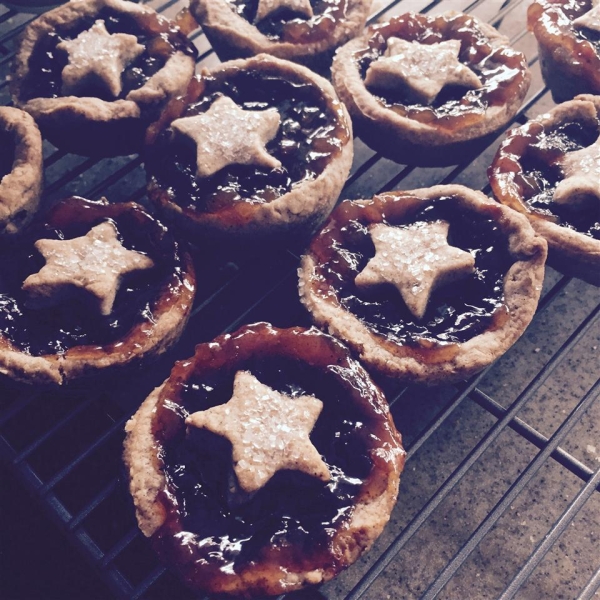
498 495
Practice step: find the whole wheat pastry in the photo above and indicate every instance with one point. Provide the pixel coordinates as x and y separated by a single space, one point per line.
266 462
260 149
89 288
428 285
95 73
21 173
299 30
568 37
549 170
425 90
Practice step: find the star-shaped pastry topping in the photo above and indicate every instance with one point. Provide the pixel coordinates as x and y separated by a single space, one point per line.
266 7
229 135
582 175
268 431
415 259
422 69
590 19
98 56
95 262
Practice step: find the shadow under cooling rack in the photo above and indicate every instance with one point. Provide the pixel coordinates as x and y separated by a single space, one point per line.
499 495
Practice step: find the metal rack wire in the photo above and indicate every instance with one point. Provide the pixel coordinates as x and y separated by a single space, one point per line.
65 446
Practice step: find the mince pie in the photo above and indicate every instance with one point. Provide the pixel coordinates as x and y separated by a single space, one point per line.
266 462
20 169
90 286
424 89
299 30
568 37
260 149
95 73
428 285
549 170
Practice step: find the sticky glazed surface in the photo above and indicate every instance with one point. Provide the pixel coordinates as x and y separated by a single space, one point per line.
578 50
292 525
285 25
455 313
526 172
502 70
312 133
160 37
140 300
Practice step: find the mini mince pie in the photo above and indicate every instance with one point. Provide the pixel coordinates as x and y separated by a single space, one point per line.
427 285
549 170
95 73
568 37
304 31
261 148
20 169
266 462
426 89
91 286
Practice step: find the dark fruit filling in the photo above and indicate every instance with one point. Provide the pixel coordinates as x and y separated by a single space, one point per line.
551 21
55 330
288 26
7 153
501 70
292 520
538 172
455 313
310 134
160 38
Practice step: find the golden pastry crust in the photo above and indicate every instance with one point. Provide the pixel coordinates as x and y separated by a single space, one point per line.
429 361
295 213
144 455
232 36
569 251
440 139
570 63
90 125
144 340
20 189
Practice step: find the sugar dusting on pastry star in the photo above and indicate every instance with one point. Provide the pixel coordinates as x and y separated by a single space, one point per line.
582 175
590 19
226 134
99 57
267 7
95 263
415 259
423 69
268 431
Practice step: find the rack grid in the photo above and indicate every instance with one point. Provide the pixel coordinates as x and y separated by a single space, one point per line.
498 496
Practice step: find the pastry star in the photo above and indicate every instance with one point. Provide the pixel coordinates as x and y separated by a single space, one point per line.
425 69
415 259
268 431
98 55
266 7
582 175
590 19
95 262
227 135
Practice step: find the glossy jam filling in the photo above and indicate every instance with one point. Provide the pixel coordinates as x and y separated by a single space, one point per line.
551 21
160 39
539 172
292 509
310 134
455 313
501 70
288 26
7 153
55 330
